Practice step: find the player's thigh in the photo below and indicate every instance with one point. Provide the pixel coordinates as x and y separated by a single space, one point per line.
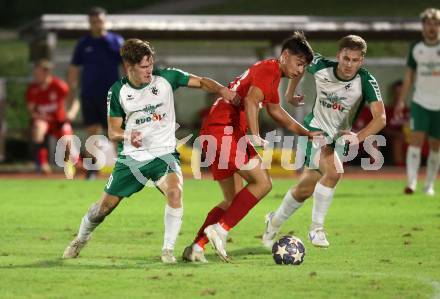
331 166
39 129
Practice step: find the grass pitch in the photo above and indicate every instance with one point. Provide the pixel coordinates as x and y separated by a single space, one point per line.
383 245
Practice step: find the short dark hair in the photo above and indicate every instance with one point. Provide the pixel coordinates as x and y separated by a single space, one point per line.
96 11
298 45
353 42
133 50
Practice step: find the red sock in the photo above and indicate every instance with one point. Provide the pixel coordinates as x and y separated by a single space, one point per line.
242 203
42 155
212 217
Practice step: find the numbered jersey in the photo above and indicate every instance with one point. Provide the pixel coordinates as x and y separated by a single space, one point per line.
265 75
338 102
425 60
148 109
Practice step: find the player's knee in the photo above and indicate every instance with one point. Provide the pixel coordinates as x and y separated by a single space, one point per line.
265 185
174 196
301 193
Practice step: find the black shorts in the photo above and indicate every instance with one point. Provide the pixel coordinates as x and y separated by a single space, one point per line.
94 111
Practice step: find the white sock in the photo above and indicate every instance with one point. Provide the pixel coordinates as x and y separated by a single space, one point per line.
285 210
86 228
322 198
412 165
432 168
173 222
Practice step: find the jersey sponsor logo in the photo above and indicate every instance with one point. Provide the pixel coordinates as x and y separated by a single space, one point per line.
333 101
151 118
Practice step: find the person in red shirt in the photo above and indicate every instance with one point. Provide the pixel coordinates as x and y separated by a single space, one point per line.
45 97
233 156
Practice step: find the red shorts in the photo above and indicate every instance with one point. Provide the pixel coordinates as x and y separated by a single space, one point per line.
226 150
59 129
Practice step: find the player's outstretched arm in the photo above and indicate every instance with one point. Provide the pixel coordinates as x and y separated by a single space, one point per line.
283 118
212 86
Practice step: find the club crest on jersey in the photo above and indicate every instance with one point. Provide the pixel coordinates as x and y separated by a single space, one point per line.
154 90
347 87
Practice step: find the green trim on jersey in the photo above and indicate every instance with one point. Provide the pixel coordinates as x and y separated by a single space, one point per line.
370 87
113 101
175 77
410 61
319 62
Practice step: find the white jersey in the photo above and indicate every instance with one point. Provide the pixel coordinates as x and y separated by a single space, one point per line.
338 102
425 60
148 109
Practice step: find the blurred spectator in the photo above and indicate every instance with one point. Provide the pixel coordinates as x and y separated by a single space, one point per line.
96 60
45 97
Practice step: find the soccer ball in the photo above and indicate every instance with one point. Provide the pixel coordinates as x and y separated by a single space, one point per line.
289 250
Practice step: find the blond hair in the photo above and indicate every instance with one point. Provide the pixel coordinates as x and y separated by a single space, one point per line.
430 14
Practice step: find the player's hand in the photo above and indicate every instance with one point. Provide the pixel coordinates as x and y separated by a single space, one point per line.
257 141
230 96
136 139
349 136
296 100
398 110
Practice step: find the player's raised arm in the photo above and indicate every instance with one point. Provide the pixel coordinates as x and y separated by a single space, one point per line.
212 86
295 100
283 118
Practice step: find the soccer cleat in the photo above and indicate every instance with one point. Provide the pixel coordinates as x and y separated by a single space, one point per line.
270 232
408 190
69 170
429 191
72 251
218 241
318 238
168 256
192 255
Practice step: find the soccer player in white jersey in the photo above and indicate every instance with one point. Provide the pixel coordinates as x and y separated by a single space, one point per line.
342 88
141 119
423 72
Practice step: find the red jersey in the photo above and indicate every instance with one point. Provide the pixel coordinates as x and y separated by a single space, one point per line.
50 100
265 75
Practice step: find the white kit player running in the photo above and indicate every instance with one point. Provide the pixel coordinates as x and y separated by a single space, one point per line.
342 88
141 118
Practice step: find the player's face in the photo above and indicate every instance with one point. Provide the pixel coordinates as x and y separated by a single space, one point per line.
97 24
431 29
292 65
141 73
349 63
40 74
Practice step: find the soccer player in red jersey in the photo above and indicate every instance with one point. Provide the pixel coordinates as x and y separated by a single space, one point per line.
233 157
45 98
